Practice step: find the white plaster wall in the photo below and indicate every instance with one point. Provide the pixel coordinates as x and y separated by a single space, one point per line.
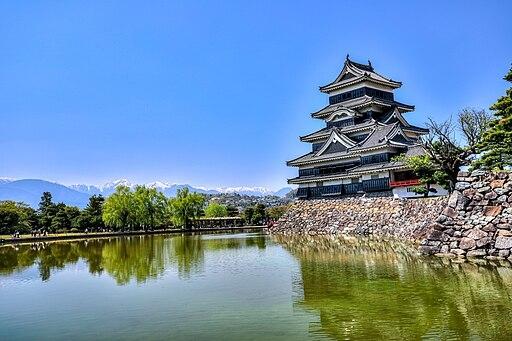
333 182
402 192
380 174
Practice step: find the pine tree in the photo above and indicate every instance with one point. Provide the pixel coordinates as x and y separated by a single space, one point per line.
47 210
496 146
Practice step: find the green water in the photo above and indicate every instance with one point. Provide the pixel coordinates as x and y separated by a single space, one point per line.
246 287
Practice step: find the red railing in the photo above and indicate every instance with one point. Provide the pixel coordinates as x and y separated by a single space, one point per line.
404 183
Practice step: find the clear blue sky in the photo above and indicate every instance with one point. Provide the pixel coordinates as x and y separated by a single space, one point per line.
216 93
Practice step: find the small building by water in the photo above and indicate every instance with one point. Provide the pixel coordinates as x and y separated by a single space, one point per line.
365 127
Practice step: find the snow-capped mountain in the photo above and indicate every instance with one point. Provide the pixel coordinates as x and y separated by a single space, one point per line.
158 185
256 191
30 190
105 189
6 180
171 189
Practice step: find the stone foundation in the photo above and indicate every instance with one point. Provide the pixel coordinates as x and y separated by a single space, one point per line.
477 221
408 219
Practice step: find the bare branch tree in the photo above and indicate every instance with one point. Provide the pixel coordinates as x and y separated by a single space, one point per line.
449 150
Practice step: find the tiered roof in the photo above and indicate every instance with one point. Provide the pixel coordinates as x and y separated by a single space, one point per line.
353 73
360 103
381 136
368 126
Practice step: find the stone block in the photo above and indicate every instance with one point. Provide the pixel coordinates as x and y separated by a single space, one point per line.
428 250
476 253
492 211
504 253
502 198
460 186
483 189
458 252
467 243
503 242
469 192
501 191
491 195
483 242
435 235
450 212
497 183
476 234
452 201
484 202
441 219
478 172
489 227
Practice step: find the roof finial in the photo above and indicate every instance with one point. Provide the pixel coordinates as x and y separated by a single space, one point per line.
369 63
347 56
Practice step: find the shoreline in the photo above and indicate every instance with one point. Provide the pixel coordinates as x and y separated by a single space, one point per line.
93 235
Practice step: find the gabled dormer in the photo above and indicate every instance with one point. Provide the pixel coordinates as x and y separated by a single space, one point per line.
342 117
336 143
354 73
393 116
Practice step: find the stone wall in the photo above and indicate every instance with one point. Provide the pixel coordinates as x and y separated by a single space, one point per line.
407 219
477 221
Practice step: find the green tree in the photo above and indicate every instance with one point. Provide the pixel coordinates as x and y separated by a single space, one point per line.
60 220
255 214
15 216
259 214
47 210
91 216
232 211
496 145
248 214
184 207
276 212
427 171
118 210
150 207
73 213
214 210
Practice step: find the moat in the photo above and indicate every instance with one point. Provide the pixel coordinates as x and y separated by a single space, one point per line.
247 287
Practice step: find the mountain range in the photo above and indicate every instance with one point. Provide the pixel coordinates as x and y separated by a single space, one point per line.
30 190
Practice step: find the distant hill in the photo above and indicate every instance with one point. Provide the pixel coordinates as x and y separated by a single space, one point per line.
29 191
283 192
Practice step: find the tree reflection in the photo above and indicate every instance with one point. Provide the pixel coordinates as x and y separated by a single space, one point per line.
364 289
187 254
138 258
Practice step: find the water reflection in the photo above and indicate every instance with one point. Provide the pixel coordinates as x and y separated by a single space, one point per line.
367 289
137 258
341 288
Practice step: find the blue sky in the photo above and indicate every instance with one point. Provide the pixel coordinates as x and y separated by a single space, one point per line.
216 93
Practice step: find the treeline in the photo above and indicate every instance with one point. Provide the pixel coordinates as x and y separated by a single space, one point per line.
140 209
50 217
